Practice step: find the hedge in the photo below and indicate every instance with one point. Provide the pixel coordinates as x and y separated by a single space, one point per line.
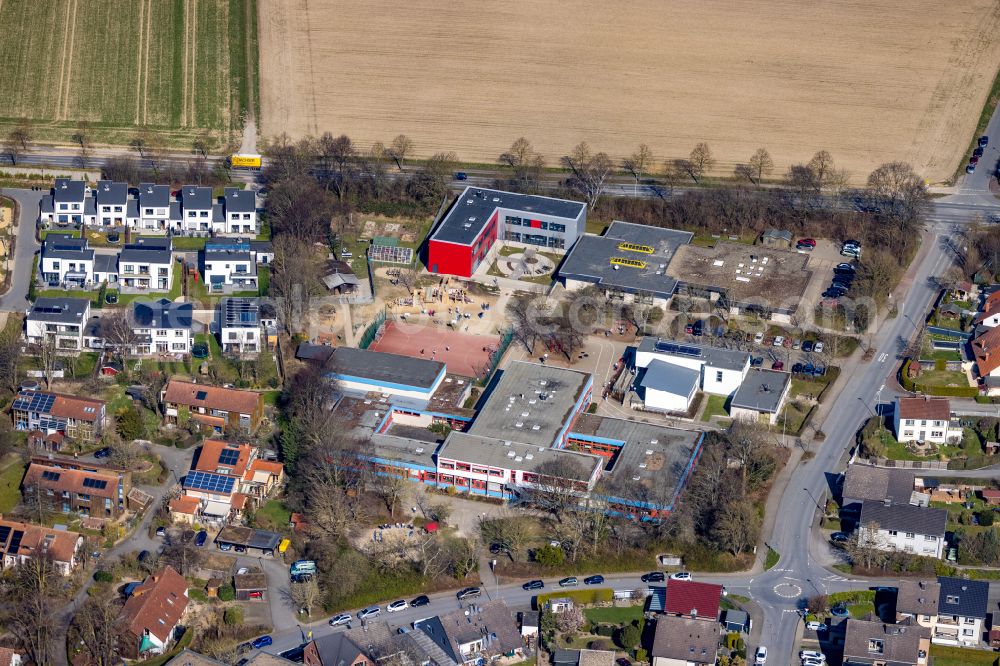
952 391
597 596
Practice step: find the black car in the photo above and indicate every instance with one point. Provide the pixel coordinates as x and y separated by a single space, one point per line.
653 577
756 361
834 293
796 368
143 556
422 600
496 548
593 580
843 280
844 267
807 346
978 152
468 593
533 585
698 328
102 453
984 141
110 299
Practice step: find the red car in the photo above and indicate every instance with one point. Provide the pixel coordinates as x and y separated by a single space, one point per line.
777 365
809 242
255 595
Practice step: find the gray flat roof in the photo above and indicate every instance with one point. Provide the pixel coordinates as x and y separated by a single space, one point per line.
497 452
59 310
403 449
154 196
716 357
240 201
529 403
761 390
670 378
475 206
590 258
110 193
384 368
197 197
58 246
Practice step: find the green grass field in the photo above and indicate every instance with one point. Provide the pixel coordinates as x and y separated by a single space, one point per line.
177 67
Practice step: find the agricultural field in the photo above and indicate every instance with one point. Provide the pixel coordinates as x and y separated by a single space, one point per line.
868 81
178 67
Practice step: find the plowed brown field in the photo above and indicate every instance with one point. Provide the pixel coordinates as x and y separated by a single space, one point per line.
868 81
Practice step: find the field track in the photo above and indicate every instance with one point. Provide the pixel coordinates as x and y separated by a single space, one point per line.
868 81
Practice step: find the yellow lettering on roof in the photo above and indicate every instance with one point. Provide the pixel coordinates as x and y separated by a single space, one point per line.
622 261
635 247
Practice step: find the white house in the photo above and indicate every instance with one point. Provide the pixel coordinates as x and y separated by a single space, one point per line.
240 213
244 323
146 264
232 266
667 387
161 327
66 260
105 268
63 318
197 207
112 204
962 607
924 419
761 396
154 207
69 198
722 370
903 527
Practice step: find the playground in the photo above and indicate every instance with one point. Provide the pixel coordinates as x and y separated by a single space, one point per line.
465 354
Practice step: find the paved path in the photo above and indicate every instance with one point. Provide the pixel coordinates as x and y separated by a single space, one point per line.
16 298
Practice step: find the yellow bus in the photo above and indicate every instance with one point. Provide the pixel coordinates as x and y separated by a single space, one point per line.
245 161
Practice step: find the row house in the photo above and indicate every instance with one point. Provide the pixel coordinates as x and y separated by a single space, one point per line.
63 319
21 542
246 325
95 493
146 265
80 419
214 406
66 261
161 327
232 266
151 208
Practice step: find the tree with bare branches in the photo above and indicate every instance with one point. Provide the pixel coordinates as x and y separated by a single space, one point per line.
589 172
388 486
400 147
760 165
33 592
305 595
525 164
119 336
638 162
48 354
700 161
98 626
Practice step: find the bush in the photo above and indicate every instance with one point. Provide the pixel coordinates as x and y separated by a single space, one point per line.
731 639
605 630
233 615
985 518
550 556
641 655
599 644
227 593
628 636
102 576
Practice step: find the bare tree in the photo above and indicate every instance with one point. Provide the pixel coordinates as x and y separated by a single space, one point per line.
590 172
119 336
700 161
140 141
337 155
761 165
570 620
747 441
124 454
509 531
295 278
48 354
899 192
98 626
22 134
201 144
388 486
525 164
33 592
638 162
82 137
408 279
738 526
559 487
305 595
867 548
400 147
12 149
182 555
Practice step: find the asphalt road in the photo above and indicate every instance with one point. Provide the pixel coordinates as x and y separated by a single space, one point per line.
16 298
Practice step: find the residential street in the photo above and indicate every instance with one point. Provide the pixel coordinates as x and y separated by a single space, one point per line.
16 299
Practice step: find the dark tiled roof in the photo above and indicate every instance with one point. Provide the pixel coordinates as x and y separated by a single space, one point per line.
888 643
917 597
686 639
904 518
863 482
960 596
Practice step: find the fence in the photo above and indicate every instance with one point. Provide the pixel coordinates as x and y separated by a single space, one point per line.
908 464
948 332
371 332
506 337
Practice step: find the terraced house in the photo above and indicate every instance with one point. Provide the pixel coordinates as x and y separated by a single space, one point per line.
146 265
96 493
60 318
80 419
21 542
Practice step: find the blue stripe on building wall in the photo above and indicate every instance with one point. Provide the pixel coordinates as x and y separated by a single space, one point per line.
391 385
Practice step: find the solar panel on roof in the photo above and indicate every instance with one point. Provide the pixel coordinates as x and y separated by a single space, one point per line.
50 476
97 484
215 483
35 402
4 533
201 395
15 541
229 456
674 348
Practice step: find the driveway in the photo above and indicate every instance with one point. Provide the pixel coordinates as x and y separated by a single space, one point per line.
16 298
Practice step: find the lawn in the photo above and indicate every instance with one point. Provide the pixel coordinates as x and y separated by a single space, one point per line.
809 388
189 243
273 515
610 615
177 80
772 558
942 378
944 655
10 483
715 405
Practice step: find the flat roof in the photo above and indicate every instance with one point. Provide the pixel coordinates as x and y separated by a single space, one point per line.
590 259
761 390
59 310
385 368
475 206
716 357
403 449
530 403
744 273
670 378
495 452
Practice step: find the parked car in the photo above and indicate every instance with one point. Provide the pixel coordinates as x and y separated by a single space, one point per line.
779 340
796 368
593 580
978 152
533 585
371 611
689 329
422 600
778 365
839 537
161 531
569 581
758 338
201 538
809 661
468 593
807 241
811 654
680 575
756 361
845 267
970 168
225 547
102 453
796 343
653 577
807 346
787 343
242 571
815 626
818 348
698 328
261 642
397 606
143 556
974 159
338 620
256 594
461 175
760 656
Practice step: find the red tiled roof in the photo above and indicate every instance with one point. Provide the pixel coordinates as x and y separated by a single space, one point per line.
987 313
987 350
215 397
989 493
71 480
157 605
269 466
185 504
239 501
925 409
991 300
211 451
59 544
683 597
